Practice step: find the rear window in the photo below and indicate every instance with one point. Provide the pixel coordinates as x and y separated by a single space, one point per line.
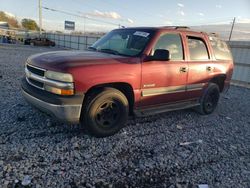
197 49
220 48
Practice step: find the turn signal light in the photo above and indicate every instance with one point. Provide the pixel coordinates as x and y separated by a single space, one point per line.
59 91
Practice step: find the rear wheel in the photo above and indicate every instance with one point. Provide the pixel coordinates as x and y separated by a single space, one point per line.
105 113
209 100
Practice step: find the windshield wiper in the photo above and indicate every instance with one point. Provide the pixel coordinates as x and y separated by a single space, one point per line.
110 51
92 48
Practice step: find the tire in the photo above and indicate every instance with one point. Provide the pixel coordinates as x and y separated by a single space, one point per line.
105 113
209 100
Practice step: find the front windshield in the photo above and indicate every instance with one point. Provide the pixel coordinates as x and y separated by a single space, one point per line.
127 42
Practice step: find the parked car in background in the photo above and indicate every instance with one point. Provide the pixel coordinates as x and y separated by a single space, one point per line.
130 71
39 42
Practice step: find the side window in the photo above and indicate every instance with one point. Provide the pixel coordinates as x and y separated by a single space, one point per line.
220 49
197 49
172 43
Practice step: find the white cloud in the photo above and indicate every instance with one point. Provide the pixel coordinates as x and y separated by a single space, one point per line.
111 15
180 5
218 6
160 15
242 31
130 20
167 22
180 9
243 20
200 14
181 12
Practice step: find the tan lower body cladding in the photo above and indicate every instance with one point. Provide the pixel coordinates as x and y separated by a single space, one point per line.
171 89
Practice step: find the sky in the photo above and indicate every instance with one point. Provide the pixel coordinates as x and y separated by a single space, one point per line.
111 13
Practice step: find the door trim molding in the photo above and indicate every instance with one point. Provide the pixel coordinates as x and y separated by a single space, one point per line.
163 90
193 87
171 89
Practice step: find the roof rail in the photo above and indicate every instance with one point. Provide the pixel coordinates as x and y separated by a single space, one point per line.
177 27
182 27
214 34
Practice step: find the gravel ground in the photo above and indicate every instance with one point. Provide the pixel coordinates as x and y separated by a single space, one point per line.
176 149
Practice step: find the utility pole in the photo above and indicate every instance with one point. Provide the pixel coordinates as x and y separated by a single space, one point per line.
40 18
232 29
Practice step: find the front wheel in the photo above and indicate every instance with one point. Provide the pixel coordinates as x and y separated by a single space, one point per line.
209 100
105 113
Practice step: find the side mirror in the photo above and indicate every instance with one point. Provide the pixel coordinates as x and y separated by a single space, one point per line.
160 55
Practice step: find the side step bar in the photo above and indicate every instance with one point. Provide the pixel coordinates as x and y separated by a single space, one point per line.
166 108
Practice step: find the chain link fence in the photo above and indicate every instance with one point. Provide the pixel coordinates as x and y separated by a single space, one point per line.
241 55
78 42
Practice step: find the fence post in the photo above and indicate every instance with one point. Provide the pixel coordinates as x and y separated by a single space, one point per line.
70 41
86 43
57 35
55 39
58 38
78 42
64 40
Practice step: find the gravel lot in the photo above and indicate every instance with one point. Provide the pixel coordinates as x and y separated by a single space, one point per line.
149 152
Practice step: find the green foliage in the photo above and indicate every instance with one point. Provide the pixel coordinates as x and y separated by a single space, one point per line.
29 24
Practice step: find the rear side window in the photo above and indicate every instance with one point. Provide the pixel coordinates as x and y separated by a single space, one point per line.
172 43
197 49
220 48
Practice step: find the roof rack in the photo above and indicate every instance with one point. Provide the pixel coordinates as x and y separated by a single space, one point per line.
182 27
214 34
177 27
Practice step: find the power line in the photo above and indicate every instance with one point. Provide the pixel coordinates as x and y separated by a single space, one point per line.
80 16
212 21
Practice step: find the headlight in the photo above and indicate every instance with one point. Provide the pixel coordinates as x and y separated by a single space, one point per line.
64 77
65 86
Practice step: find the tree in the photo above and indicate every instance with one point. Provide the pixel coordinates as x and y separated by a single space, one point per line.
29 24
9 19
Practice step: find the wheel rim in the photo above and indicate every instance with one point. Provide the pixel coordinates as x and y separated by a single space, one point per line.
108 113
211 101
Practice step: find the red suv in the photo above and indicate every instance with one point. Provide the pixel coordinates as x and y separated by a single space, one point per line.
130 71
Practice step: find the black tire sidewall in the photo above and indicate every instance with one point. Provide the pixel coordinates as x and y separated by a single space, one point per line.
210 89
93 104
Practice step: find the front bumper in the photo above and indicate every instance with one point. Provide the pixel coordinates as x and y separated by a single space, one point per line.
66 109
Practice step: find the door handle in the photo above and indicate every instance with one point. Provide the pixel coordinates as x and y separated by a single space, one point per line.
209 68
183 69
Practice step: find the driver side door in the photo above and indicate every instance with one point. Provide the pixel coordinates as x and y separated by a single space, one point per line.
164 82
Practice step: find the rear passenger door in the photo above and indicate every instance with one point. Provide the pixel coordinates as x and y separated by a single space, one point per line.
200 65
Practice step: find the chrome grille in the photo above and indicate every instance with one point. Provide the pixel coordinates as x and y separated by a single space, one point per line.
34 72
36 77
36 83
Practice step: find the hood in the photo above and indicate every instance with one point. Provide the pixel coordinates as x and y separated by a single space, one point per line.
61 60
